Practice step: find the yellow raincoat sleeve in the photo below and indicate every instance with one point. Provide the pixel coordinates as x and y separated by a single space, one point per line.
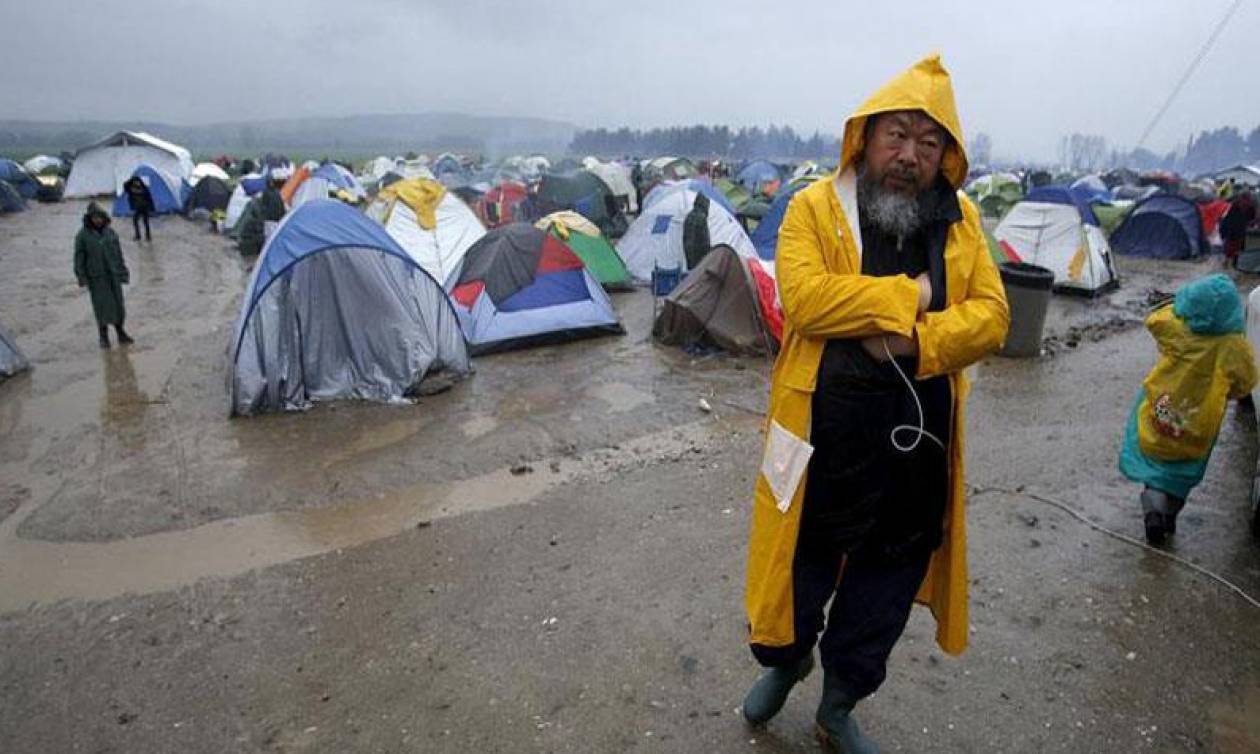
1242 372
826 303
966 331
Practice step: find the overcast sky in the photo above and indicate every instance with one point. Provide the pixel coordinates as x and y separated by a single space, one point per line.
1023 72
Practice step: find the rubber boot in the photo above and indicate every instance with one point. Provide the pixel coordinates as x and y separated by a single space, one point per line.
123 337
1159 514
837 730
103 330
766 697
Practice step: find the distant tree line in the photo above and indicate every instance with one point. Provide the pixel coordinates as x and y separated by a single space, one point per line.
777 142
1208 152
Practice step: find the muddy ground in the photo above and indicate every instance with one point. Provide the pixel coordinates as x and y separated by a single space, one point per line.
549 556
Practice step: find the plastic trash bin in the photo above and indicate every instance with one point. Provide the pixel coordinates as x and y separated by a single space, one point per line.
1028 294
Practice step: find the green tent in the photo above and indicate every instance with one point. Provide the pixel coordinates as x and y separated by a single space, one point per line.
1111 215
737 194
996 193
598 255
584 193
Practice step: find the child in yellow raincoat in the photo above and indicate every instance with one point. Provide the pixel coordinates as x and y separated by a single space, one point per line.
1205 361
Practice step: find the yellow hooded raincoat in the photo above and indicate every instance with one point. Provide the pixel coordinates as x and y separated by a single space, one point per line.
824 296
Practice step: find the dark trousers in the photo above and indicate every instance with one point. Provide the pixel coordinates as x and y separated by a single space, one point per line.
135 221
870 604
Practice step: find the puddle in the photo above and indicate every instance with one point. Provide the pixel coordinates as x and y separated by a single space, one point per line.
620 397
34 571
377 437
479 426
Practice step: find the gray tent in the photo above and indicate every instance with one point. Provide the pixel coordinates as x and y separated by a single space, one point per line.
11 359
336 309
715 305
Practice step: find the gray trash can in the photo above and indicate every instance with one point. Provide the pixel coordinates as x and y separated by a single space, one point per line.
1028 293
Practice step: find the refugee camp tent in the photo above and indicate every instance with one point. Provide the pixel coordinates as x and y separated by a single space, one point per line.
431 224
736 195
655 238
1247 175
1092 188
1163 226
12 360
759 177
249 186
520 286
16 176
336 309
1134 193
203 169
504 203
617 177
10 199
584 193
995 193
101 168
50 188
210 193
1053 230
584 238
43 162
169 192
766 235
341 180
716 305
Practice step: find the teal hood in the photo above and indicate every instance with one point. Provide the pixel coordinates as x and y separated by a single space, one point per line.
1210 306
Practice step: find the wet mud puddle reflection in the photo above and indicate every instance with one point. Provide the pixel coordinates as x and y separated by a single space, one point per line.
35 571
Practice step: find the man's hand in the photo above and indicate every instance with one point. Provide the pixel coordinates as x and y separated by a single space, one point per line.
897 345
925 292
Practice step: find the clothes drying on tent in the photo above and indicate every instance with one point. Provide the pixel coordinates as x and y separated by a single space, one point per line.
12 360
336 309
504 203
655 238
584 193
1054 233
101 168
1162 226
169 193
10 199
210 194
589 244
16 176
521 287
431 224
717 304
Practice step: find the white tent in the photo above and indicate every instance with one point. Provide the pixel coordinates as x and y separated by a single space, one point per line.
1055 236
1244 174
101 168
203 169
311 189
440 249
617 176
655 238
239 201
41 162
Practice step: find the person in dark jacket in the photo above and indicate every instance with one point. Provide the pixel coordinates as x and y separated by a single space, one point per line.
99 267
696 232
271 204
141 201
1240 215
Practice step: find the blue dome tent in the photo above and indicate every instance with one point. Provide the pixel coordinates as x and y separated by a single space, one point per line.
757 174
1162 226
335 309
766 235
16 176
169 194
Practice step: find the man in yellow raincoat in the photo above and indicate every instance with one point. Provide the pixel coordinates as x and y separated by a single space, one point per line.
888 293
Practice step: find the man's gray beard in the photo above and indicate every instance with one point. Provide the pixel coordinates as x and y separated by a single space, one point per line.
892 212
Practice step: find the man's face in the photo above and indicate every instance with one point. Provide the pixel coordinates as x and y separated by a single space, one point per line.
98 221
903 151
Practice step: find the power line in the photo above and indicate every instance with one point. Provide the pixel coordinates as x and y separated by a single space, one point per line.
1189 71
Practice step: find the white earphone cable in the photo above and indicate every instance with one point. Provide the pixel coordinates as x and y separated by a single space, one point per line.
920 431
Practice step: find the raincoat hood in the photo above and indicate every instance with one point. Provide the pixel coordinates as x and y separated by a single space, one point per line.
924 86
1210 306
94 209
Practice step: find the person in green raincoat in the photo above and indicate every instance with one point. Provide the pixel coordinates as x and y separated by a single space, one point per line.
1204 362
99 267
